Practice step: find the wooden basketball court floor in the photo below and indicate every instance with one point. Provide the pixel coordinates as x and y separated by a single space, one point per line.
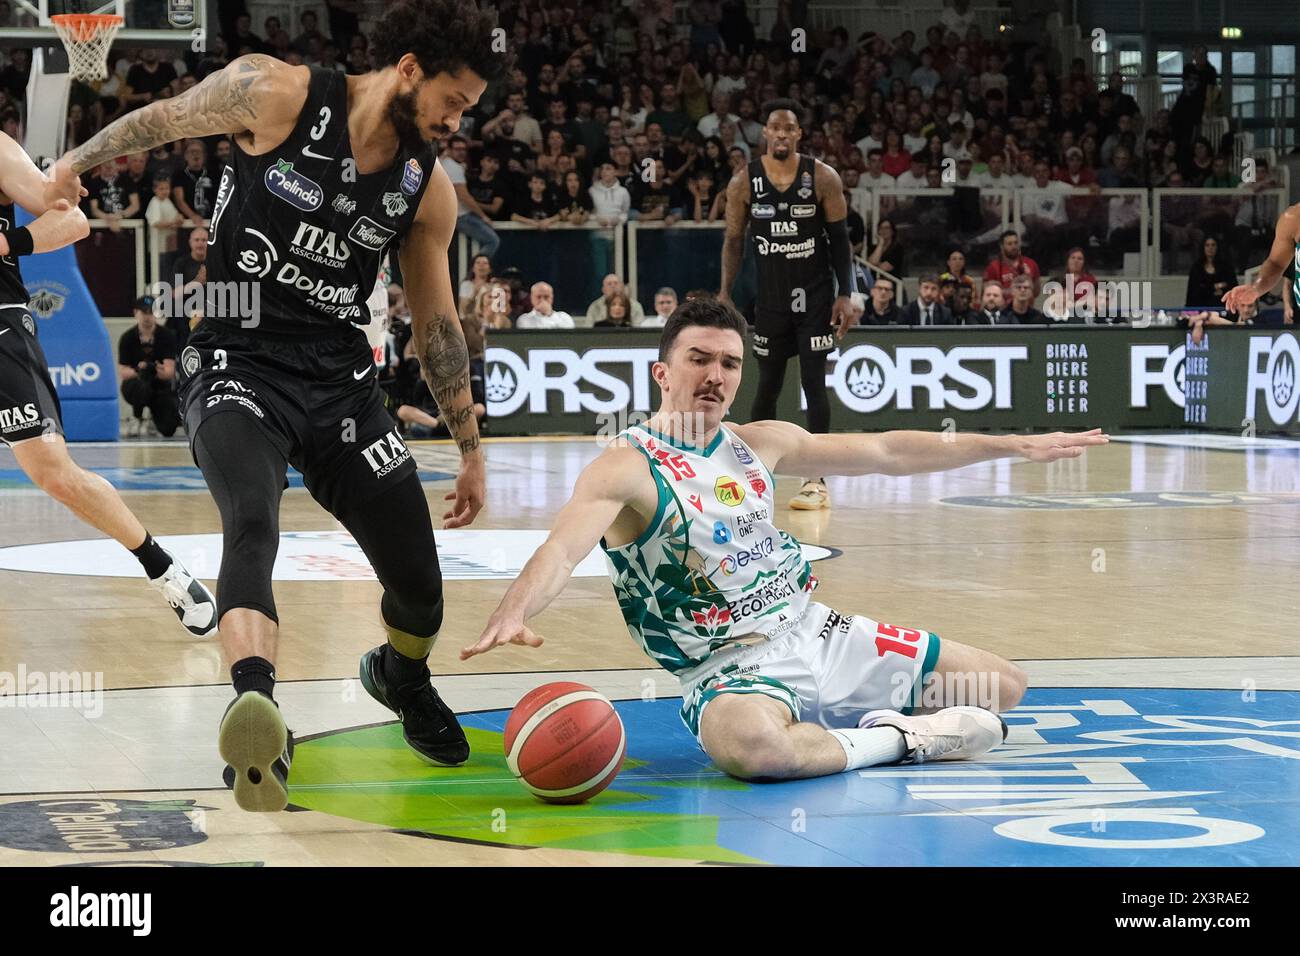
1148 589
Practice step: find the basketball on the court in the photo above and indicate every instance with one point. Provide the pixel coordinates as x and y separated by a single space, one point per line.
564 742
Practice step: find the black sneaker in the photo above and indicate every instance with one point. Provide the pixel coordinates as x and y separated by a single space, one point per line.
258 749
429 726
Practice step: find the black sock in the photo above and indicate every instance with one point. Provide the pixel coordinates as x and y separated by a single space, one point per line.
403 671
254 673
151 555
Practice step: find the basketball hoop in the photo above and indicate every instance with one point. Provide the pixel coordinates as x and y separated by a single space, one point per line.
87 37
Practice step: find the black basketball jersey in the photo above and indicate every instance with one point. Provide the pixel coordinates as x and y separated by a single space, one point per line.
12 290
788 230
306 224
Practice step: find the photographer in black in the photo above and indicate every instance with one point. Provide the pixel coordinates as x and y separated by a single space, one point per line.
146 368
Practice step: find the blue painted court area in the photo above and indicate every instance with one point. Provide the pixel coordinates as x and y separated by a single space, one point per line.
174 478
1088 777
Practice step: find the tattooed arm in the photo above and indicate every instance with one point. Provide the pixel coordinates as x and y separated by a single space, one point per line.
733 243
255 95
439 339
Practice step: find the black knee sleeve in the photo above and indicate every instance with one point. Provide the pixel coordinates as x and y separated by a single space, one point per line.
771 376
812 376
245 473
396 534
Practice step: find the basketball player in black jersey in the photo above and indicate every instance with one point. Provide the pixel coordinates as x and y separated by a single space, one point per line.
794 209
328 172
31 421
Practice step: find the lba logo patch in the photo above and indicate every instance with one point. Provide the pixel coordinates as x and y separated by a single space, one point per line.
728 491
412 176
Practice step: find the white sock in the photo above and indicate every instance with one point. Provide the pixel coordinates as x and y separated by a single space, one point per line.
869 746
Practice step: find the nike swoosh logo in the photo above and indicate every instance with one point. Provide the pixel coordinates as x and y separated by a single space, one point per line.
306 151
760 195
363 373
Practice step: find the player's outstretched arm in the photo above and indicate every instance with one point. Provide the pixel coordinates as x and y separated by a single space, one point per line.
59 226
440 341
604 489
26 185
254 93
1279 257
789 449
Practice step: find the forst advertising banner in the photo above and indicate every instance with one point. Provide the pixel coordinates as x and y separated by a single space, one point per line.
1252 380
966 379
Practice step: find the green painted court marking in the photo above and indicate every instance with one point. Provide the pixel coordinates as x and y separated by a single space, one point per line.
371 774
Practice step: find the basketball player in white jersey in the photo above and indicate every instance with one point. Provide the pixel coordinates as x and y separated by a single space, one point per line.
774 684
31 421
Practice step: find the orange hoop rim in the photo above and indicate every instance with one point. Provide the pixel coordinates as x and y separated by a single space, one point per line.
83 26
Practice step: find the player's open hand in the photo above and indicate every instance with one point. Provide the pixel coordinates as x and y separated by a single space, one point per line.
469 493
1238 296
1060 444
842 316
501 631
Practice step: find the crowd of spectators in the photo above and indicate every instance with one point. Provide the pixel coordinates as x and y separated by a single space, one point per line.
645 110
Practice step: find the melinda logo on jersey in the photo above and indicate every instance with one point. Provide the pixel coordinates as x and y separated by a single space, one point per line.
294 188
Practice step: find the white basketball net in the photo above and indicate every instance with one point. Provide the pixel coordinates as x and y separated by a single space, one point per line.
87 39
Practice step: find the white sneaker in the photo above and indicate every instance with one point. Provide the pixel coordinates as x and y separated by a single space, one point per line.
954 733
189 598
131 429
811 497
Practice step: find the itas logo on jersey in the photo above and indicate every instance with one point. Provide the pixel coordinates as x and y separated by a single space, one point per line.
12 419
785 229
320 246
387 454
412 176
294 188
728 491
366 232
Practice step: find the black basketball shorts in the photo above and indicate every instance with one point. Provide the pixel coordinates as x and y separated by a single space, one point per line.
29 405
317 400
786 334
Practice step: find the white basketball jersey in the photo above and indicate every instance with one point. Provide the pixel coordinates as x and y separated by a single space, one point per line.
712 570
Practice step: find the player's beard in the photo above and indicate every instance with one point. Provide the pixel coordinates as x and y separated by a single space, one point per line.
402 114
781 151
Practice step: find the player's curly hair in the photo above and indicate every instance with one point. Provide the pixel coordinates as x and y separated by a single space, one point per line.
444 36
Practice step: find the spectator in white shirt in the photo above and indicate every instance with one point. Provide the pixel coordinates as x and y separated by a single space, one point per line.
875 177
957 18
470 218
914 177
873 140
665 306
708 125
610 200
543 315
1044 199
997 176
